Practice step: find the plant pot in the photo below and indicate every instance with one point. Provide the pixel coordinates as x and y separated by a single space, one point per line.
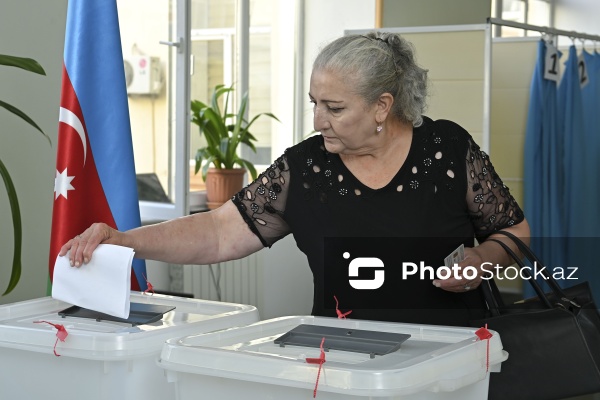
222 184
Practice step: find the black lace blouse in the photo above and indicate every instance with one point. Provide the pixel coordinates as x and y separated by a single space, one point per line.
446 193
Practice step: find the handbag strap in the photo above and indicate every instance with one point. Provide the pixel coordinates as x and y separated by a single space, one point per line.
532 282
492 296
530 255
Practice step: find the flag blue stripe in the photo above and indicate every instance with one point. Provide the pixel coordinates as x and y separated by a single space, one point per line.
94 61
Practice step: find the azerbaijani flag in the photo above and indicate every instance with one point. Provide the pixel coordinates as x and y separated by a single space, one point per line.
95 172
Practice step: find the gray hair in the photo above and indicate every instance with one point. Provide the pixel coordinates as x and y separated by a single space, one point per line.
378 63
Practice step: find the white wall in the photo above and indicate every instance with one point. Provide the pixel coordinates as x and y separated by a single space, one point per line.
326 21
35 29
577 15
283 59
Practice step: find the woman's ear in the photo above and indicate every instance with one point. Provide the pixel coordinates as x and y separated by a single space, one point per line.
384 106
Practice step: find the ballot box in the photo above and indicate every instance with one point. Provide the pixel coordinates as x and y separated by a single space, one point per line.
50 349
298 357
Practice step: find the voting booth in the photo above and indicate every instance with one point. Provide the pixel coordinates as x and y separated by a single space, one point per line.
298 357
101 358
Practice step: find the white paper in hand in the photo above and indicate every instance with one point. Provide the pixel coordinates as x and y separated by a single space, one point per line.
103 284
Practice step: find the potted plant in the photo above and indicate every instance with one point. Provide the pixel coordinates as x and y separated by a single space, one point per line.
33 66
224 133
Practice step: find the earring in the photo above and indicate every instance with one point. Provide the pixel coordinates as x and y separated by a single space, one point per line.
379 127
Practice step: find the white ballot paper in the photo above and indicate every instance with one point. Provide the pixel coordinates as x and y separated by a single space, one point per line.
103 284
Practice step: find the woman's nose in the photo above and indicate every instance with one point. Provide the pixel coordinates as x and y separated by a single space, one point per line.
319 119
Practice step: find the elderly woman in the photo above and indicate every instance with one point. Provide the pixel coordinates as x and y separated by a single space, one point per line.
380 172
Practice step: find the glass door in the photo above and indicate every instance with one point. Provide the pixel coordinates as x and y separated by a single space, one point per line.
154 34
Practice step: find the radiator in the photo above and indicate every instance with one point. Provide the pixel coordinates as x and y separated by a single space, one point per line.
276 280
232 281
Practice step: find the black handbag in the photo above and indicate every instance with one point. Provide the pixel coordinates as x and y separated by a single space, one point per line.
553 339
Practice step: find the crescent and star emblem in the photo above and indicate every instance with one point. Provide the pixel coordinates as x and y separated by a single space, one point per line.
62 181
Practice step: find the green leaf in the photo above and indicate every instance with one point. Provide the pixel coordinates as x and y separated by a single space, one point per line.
248 143
15 275
218 92
201 155
24 116
206 166
224 131
249 166
241 114
258 115
197 107
31 65
213 127
250 136
27 64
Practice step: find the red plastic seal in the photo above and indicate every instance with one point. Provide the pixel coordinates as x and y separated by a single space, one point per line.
320 361
61 333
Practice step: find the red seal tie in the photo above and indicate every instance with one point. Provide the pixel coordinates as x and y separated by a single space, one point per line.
61 333
484 334
320 361
150 287
340 314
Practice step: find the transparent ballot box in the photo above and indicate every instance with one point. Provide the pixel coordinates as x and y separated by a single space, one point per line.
362 360
101 358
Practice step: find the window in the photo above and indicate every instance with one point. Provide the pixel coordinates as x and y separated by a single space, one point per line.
153 35
213 41
165 33
532 12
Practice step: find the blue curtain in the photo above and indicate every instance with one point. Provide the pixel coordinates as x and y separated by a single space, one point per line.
590 93
543 165
573 135
562 147
584 234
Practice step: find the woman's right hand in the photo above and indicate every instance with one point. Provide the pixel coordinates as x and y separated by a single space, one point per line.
82 246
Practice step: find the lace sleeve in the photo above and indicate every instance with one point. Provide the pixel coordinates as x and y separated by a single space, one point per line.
490 203
262 203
